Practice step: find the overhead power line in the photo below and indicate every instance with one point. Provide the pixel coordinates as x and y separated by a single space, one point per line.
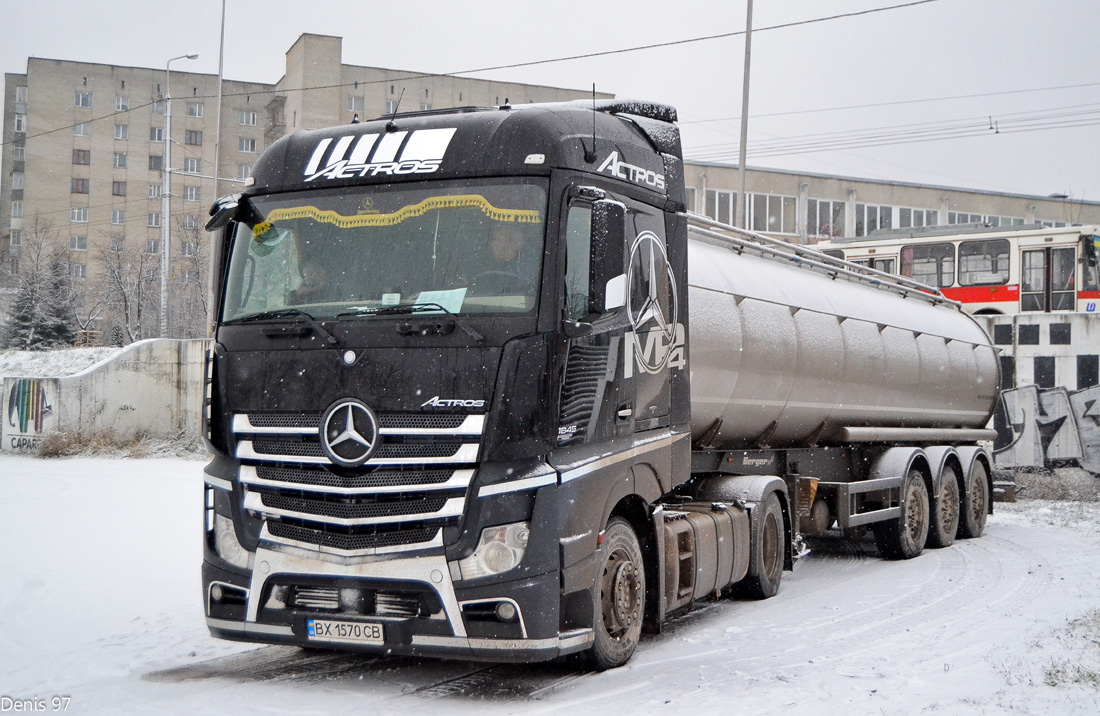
530 63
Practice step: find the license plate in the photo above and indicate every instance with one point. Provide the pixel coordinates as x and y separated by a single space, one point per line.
358 632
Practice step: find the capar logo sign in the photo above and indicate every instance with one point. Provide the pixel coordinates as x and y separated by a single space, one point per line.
418 151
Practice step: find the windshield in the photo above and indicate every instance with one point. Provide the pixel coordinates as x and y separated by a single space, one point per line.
473 248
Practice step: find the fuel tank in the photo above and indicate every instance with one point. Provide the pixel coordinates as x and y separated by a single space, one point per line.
792 348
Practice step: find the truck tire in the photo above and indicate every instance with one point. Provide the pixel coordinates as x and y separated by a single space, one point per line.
766 557
904 537
619 597
975 504
945 510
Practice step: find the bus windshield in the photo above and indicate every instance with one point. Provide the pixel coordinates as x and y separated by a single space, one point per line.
470 248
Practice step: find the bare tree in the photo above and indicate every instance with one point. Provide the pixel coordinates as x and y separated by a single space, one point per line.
130 285
189 303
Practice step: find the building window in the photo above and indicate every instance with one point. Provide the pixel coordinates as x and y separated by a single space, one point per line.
16 237
17 210
156 134
78 243
154 191
116 245
83 99
243 170
194 109
916 218
122 104
21 94
355 104
425 107
158 106
78 215
82 157
187 248
122 131
244 144
191 193
772 213
189 221
248 118
154 220
962 217
118 217
191 165
20 123
118 188
156 163
16 181
78 270
17 154
189 276
872 217
79 186
720 205
391 106
1004 221
825 218
152 246
192 137
82 129
120 160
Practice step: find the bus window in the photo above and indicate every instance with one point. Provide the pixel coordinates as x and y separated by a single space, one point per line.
983 263
1063 267
1090 271
933 264
884 265
836 254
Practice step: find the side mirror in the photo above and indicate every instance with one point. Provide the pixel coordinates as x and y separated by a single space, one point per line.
235 207
607 283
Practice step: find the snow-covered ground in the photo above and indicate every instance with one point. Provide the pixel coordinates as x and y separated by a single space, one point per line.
51 364
99 602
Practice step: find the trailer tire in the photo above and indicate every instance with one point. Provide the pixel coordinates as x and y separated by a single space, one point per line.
904 537
945 510
975 503
766 558
619 597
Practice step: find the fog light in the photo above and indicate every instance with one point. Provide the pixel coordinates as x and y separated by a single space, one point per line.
506 612
216 593
499 549
226 544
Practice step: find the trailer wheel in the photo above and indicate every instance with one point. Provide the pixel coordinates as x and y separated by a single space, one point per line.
767 551
619 597
975 504
904 537
945 510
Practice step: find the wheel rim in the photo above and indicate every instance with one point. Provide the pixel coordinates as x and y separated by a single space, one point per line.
620 594
914 515
770 546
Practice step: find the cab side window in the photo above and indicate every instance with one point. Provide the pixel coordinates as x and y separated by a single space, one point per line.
578 238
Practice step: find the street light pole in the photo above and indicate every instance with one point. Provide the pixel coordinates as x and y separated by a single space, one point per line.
741 209
165 195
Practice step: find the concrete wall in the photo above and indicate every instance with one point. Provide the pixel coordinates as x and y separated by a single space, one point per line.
1050 399
152 387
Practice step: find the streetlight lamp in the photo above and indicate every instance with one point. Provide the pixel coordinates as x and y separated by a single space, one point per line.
165 195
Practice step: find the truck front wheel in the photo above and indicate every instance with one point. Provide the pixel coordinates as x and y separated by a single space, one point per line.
766 558
904 537
619 596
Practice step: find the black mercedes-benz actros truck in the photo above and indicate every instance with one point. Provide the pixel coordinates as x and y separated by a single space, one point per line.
474 393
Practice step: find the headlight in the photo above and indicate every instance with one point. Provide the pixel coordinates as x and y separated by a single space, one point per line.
226 544
500 549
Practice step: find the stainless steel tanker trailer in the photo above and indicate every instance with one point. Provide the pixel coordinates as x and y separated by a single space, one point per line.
482 388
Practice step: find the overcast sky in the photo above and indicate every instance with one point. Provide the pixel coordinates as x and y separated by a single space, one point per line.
983 80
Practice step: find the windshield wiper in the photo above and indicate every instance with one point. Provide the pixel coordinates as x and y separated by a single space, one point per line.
413 308
290 313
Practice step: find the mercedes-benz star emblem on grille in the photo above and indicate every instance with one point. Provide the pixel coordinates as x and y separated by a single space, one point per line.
349 431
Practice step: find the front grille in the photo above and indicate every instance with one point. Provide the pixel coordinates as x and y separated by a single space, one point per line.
379 478
350 510
418 474
316 598
397 604
353 541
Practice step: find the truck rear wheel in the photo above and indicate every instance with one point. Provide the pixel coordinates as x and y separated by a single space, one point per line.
904 537
975 503
945 510
619 597
766 560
